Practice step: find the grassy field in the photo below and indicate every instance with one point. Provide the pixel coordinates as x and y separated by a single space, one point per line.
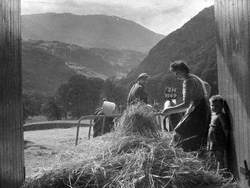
47 149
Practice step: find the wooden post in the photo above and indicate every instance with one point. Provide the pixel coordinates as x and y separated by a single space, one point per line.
11 130
232 18
90 127
103 124
77 132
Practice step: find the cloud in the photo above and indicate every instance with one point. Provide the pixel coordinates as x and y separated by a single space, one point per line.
161 16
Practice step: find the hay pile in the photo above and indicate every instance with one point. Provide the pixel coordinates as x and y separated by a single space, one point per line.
138 120
138 158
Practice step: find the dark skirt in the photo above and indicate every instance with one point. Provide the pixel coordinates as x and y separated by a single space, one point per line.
193 128
174 119
98 123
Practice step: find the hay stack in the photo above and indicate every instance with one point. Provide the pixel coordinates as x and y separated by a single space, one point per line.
138 120
137 159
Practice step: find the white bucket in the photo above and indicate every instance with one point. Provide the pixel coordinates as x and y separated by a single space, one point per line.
167 104
108 108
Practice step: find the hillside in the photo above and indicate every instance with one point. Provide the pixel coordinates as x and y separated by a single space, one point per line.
76 57
91 31
42 73
194 42
47 64
122 61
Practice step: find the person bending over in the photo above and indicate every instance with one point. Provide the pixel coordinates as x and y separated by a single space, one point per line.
191 131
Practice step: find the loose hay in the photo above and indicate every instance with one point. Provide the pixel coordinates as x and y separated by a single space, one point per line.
137 159
138 119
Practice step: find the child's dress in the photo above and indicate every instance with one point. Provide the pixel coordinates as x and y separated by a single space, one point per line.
217 138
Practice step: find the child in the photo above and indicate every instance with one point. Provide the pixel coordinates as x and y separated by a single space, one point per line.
218 135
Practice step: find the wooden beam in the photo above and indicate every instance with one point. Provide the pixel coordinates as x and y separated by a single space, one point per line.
233 55
11 131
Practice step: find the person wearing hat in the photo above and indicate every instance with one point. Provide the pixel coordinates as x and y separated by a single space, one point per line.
137 92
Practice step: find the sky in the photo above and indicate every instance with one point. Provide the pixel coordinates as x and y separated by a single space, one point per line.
160 16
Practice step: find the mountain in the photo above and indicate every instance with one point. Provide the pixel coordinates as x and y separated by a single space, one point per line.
194 42
42 72
122 61
91 31
100 61
48 64
75 57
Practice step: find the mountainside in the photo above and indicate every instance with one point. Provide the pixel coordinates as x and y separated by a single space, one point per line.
194 42
42 72
92 31
47 64
75 56
122 61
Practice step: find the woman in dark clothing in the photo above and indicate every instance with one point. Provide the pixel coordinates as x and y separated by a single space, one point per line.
191 131
98 121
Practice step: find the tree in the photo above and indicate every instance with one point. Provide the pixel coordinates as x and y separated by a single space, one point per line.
32 103
114 92
52 110
80 95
